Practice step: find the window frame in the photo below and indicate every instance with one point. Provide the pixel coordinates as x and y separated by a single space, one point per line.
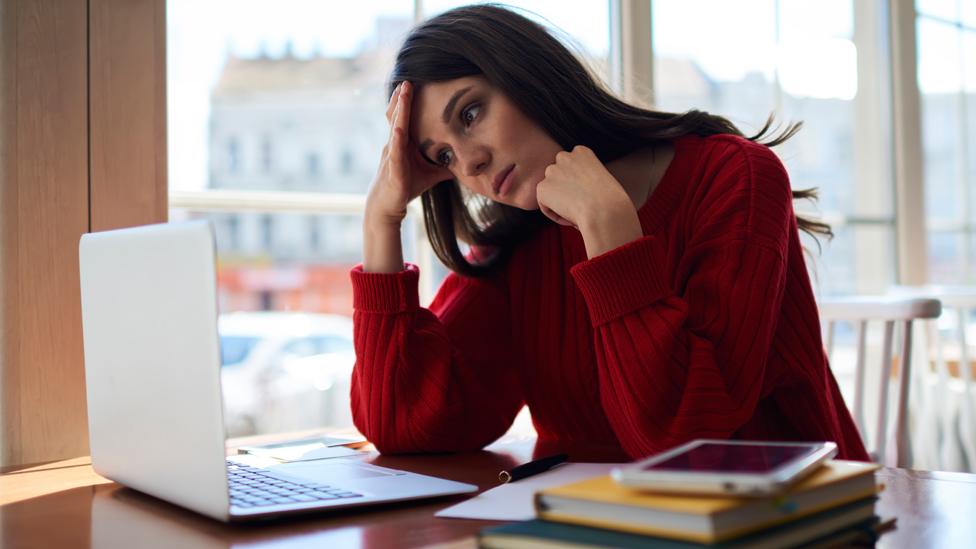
965 226
885 37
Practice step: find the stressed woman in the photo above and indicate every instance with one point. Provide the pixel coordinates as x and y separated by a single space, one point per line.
635 277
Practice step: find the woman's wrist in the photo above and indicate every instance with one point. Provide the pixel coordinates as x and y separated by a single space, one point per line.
609 227
382 250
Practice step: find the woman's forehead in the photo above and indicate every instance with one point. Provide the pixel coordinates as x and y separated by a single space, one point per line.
435 95
431 102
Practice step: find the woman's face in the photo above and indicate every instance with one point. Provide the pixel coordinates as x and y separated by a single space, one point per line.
482 138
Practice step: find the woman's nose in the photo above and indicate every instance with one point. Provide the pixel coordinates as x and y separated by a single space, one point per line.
476 161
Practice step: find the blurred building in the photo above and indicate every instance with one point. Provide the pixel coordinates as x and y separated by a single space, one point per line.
312 124
317 125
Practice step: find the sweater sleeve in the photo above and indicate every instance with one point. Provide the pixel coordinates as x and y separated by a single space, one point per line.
437 379
682 356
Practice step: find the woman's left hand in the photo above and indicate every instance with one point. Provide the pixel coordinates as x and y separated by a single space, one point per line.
579 192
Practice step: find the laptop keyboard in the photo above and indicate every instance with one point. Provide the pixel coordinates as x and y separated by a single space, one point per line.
254 487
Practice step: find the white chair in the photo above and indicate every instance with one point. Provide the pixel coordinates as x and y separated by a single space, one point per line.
859 311
949 406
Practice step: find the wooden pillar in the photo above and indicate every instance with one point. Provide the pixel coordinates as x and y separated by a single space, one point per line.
82 147
128 113
43 212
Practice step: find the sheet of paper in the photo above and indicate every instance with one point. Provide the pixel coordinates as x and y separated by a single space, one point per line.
307 452
307 448
513 501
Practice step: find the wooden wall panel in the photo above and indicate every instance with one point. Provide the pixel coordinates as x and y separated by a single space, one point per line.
128 113
82 147
43 212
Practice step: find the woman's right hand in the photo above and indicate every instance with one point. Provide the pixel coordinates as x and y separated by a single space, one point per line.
403 174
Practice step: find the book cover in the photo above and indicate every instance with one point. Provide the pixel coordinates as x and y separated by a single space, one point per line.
840 525
601 502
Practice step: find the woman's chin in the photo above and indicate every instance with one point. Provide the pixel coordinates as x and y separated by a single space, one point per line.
525 200
527 205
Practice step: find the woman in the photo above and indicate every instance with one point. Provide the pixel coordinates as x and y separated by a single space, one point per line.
636 277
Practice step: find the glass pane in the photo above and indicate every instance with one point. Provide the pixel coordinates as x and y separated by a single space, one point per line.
797 60
970 273
817 70
583 26
813 77
948 257
279 96
939 61
945 9
859 260
941 131
285 302
943 126
821 155
817 53
967 9
723 63
969 158
969 60
833 18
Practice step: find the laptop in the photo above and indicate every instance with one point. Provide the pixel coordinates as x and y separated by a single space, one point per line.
155 413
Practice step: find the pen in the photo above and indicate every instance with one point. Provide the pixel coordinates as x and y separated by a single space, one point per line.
533 467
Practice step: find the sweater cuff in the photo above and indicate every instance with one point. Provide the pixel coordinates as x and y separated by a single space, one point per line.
623 279
385 292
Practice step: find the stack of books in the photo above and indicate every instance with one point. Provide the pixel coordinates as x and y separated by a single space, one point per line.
833 506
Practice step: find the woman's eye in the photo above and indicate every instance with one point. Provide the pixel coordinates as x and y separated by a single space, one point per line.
469 114
444 157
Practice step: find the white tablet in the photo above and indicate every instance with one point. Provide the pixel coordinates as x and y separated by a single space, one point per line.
719 467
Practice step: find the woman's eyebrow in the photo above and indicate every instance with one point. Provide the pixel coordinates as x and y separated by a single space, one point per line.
445 116
449 108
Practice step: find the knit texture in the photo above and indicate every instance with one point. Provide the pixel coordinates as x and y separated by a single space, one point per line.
705 327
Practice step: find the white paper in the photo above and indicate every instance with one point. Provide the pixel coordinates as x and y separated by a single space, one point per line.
513 501
307 452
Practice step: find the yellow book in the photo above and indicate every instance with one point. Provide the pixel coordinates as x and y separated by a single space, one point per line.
603 503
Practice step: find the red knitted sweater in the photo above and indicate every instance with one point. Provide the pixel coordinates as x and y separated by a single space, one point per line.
705 327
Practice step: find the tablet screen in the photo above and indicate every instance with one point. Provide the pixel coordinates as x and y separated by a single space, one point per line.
732 458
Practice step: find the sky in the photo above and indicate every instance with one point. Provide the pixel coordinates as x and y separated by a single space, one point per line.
810 52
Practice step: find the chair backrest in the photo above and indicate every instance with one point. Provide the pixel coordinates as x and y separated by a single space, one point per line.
891 310
953 402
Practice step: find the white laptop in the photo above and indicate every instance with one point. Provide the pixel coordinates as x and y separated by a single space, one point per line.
155 415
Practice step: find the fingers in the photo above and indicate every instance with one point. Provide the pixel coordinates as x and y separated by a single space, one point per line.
405 100
393 102
398 129
401 124
397 149
400 115
395 115
554 216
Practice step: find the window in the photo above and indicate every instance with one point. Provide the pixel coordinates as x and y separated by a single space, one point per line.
233 156
584 27
233 232
276 118
797 61
347 162
312 167
314 234
271 91
946 33
267 154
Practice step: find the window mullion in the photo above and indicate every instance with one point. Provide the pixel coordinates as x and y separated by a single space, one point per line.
632 58
907 146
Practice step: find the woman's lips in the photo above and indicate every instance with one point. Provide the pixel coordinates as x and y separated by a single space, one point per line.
504 180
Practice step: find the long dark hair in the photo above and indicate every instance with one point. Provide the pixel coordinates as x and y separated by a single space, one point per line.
545 81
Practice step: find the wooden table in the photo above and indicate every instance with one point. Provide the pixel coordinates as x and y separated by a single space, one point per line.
65 504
